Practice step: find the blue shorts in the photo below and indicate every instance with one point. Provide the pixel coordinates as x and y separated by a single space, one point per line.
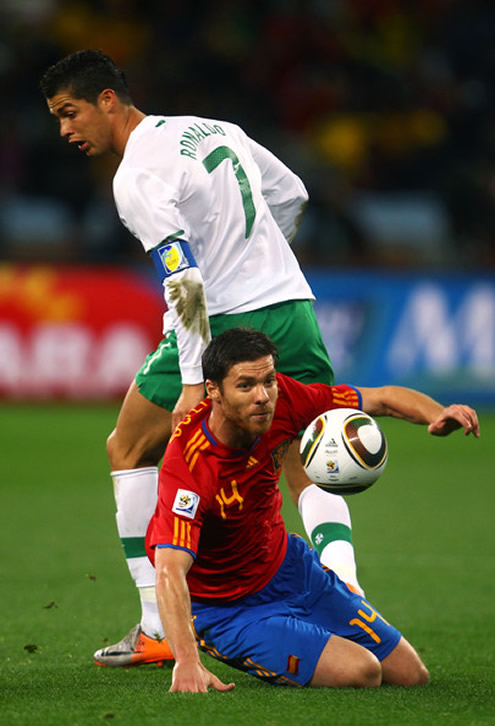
279 633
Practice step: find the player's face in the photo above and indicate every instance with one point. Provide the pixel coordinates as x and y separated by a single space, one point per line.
82 123
247 399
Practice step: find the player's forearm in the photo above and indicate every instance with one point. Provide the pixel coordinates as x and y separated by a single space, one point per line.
283 191
289 223
186 301
174 605
184 293
400 402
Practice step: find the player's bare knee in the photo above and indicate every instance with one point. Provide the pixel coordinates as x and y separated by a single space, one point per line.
423 676
366 673
119 456
404 667
131 454
350 666
416 676
369 674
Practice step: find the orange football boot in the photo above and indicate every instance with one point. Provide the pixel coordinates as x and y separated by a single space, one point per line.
133 650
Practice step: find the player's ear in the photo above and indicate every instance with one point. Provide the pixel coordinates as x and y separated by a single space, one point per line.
106 99
212 389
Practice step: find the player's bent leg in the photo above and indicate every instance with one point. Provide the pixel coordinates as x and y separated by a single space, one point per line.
135 448
404 667
326 519
345 664
141 433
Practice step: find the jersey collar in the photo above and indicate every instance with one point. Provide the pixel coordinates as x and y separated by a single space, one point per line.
222 448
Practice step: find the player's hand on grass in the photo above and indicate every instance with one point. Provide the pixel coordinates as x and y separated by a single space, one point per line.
196 678
456 416
189 398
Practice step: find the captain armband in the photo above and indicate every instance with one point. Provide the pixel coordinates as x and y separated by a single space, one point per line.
172 257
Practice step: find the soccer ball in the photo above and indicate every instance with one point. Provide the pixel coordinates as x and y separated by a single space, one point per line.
344 451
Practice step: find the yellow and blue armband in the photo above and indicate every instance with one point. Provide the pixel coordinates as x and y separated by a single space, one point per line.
172 257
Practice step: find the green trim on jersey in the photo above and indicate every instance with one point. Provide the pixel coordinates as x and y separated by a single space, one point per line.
291 325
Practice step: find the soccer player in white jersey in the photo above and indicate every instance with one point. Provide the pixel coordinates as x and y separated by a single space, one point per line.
217 213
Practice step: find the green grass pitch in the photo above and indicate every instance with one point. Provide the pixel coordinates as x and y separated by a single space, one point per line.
424 536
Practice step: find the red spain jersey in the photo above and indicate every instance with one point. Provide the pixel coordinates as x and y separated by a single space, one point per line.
223 505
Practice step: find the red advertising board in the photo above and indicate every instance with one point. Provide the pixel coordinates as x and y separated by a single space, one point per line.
74 332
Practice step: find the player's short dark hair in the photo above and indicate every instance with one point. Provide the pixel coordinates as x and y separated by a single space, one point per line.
85 73
235 346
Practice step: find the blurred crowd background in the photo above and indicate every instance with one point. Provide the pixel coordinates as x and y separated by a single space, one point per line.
386 109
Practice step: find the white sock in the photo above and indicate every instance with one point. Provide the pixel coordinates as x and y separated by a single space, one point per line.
136 496
327 522
151 623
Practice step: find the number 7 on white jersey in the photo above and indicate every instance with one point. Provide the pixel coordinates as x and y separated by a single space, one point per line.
216 157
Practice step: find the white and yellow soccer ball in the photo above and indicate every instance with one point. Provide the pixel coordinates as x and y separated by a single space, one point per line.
344 451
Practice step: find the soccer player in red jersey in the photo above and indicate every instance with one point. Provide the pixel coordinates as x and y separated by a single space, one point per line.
229 577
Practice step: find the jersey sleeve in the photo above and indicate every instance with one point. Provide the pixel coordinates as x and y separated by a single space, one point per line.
283 190
180 509
148 208
307 401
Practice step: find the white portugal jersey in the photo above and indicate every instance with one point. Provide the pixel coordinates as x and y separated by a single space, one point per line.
206 183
